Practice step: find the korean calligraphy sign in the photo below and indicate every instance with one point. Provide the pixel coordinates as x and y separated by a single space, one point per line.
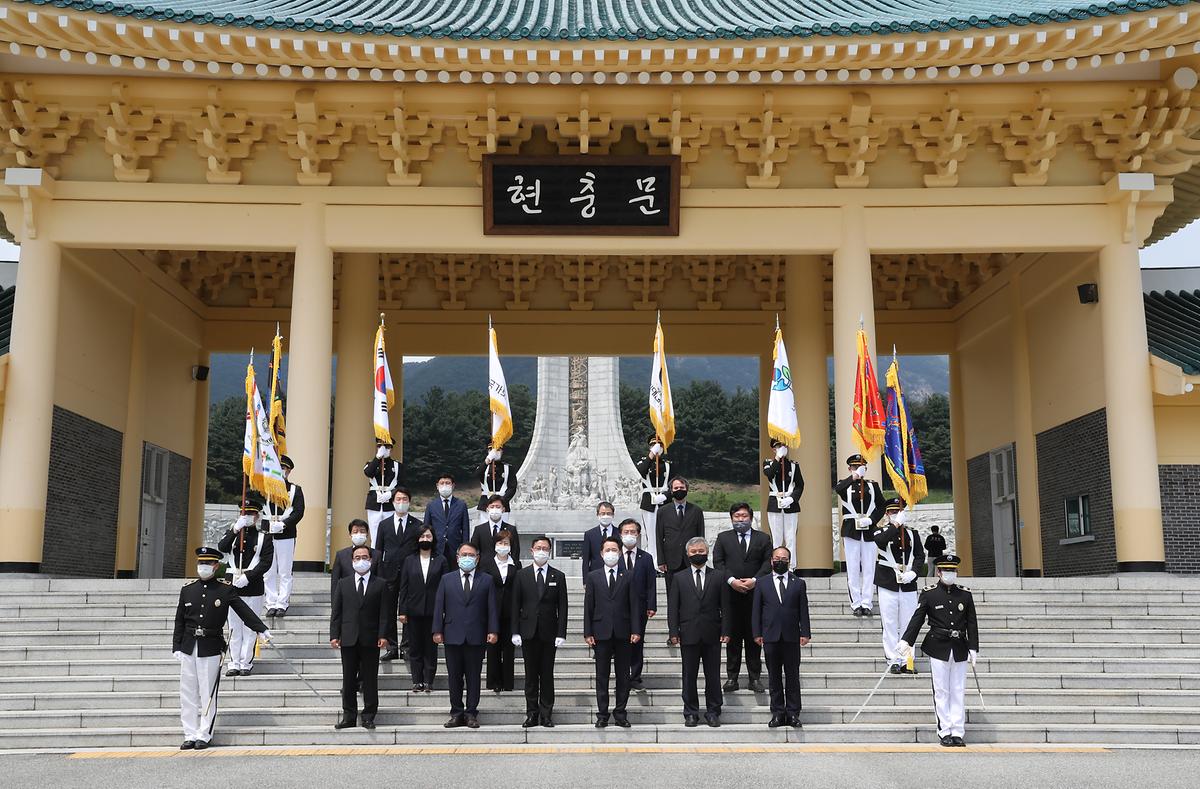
581 195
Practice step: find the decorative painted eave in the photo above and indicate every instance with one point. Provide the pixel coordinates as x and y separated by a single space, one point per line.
249 39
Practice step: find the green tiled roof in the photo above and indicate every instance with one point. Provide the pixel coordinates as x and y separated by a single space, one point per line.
1173 327
7 298
631 20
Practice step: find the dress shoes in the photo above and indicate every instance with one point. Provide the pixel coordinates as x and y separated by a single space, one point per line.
187 745
756 686
947 741
959 742
730 685
201 745
601 721
244 672
530 722
857 612
280 612
548 722
691 721
794 722
637 684
233 672
390 655
777 721
713 720
368 723
622 721
472 722
455 721
418 688
895 669
345 722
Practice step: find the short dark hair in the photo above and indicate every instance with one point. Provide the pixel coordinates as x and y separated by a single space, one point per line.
741 505
503 534
445 475
492 499
782 548
541 538
405 491
358 522
613 540
934 529
360 548
429 529
678 478
605 504
627 521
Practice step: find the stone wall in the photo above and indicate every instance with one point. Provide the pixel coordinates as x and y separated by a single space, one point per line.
1180 486
81 497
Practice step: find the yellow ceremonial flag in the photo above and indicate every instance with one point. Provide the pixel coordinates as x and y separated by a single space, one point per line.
278 430
502 424
662 409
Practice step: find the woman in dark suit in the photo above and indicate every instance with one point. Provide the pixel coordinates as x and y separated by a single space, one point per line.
500 656
419 578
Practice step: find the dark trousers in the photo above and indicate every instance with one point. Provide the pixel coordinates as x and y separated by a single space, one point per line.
500 660
360 662
422 652
607 652
693 655
783 671
637 654
740 638
391 597
538 655
464 667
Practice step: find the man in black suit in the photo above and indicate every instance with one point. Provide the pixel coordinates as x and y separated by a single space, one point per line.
594 537
466 617
744 553
539 627
698 617
396 539
611 626
342 564
356 627
645 581
780 625
484 536
676 523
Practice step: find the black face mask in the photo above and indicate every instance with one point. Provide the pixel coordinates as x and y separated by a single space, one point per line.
698 559
425 545
679 495
780 566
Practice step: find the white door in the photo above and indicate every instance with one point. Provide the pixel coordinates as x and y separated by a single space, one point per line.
154 511
1004 510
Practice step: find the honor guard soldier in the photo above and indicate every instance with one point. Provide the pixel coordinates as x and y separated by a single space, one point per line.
496 478
861 503
385 475
787 484
951 644
281 525
899 552
655 471
198 642
249 553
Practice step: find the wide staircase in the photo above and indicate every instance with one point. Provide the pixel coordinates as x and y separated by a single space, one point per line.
1116 660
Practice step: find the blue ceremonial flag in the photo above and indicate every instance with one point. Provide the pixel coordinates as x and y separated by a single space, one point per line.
901 452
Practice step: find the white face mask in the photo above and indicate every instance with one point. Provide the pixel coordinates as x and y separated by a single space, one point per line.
402 506
541 557
606 520
611 558
445 491
629 540
949 577
362 566
358 539
495 514
503 550
205 571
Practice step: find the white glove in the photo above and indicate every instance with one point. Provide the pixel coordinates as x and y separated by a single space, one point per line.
972 656
780 453
860 471
658 499
265 636
382 452
240 581
907 577
516 641
905 649
492 457
785 502
656 450
242 522
864 522
276 527
178 655
558 642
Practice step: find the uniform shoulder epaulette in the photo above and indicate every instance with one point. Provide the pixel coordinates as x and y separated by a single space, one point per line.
964 588
929 588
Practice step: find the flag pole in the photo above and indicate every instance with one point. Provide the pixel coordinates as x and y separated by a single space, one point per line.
658 457
783 465
242 501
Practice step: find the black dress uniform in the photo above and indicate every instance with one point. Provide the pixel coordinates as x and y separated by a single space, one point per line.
900 555
496 479
198 642
385 476
282 522
783 504
655 474
859 498
952 642
250 559
501 655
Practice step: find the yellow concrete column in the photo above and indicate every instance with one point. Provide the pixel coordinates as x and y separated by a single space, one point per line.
958 467
804 335
310 356
853 299
353 437
29 406
1028 499
766 365
129 507
198 487
1129 410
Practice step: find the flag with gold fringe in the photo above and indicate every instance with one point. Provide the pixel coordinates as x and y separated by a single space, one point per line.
250 459
502 424
867 420
782 422
662 408
901 450
260 460
385 394
278 428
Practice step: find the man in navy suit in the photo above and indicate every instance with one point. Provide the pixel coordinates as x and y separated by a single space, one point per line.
466 617
594 537
641 564
780 624
611 626
448 517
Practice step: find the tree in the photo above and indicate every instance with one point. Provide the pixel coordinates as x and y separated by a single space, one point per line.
931 418
226 433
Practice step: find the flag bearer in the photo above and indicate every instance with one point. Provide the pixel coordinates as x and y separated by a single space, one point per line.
198 642
899 552
249 553
385 475
951 644
496 478
655 471
282 524
787 485
860 501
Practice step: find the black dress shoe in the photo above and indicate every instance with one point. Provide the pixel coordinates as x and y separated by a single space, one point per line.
530 722
637 684
776 721
691 721
548 722
344 722
714 721
856 611
390 655
233 672
959 742
794 722
368 723
907 670
730 685
472 722
187 745
622 721
947 741
417 688
244 672
201 745
757 686
280 612
601 722
455 721
894 669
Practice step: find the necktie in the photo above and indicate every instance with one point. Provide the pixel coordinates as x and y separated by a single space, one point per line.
362 587
466 584
629 560
782 587
745 541
495 529
541 579
612 578
446 507
700 581
680 508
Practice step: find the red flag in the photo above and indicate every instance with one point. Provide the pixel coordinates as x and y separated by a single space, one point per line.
868 420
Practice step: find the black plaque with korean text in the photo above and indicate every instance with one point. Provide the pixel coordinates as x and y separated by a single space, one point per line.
581 195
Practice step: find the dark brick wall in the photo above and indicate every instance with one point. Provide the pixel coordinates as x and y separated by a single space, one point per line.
179 480
81 497
1073 461
1180 486
979 503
